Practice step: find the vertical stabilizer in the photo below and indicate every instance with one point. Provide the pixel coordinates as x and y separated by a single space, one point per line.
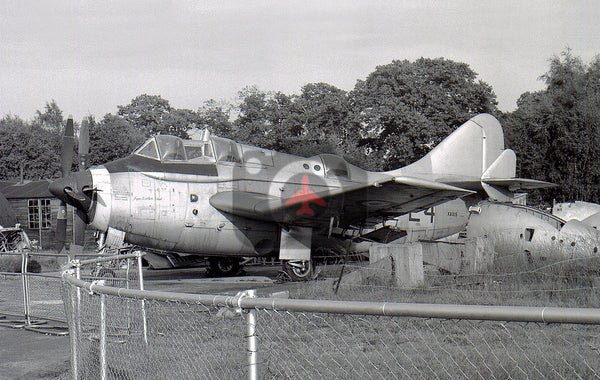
463 156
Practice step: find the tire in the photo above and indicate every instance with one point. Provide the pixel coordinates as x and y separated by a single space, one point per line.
109 276
299 270
224 266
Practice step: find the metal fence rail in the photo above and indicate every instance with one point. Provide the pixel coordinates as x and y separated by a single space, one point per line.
123 331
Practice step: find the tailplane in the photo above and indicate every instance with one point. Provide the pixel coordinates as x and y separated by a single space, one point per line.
473 157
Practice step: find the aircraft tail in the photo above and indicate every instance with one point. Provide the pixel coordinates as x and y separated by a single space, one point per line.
473 157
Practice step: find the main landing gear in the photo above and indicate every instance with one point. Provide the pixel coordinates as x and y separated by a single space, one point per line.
224 266
299 270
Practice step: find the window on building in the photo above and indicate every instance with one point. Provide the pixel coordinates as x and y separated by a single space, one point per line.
39 211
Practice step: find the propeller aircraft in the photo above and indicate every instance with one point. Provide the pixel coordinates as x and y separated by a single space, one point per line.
224 200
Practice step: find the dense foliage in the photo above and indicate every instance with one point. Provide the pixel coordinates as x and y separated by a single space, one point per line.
390 119
555 132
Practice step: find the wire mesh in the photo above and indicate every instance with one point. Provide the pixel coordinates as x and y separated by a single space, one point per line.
312 345
171 338
558 283
11 294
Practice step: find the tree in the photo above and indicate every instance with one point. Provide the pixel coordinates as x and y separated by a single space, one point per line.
51 119
405 108
215 117
151 114
30 151
318 117
262 118
306 124
556 131
113 138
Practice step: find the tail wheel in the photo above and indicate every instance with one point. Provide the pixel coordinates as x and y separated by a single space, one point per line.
299 270
224 266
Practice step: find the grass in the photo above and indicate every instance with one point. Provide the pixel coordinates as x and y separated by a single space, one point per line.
567 282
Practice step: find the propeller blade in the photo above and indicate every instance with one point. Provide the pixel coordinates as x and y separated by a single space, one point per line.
80 218
84 144
66 160
66 152
79 223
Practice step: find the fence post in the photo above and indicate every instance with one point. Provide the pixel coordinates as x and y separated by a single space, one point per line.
25 283
252 343
102 333
141 279
75 320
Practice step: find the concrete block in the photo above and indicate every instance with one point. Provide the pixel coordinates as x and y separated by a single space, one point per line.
409 264
378 273
445 255
391 265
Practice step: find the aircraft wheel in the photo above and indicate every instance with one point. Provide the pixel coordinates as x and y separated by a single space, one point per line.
224 266
109 275
299 270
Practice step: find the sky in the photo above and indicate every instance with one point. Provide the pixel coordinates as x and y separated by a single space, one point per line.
91 56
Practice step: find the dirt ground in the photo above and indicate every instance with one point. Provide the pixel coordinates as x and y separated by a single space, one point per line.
32 355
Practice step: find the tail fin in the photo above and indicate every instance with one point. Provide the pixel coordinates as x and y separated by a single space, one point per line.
463 156
473 157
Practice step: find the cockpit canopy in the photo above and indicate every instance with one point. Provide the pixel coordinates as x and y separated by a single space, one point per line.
164 148
209 149
171 148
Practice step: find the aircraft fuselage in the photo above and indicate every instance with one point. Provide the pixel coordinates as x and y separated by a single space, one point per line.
165 204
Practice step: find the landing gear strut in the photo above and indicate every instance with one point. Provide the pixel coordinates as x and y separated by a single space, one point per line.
224 266
299 270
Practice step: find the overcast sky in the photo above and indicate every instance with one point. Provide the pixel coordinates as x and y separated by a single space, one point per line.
91 56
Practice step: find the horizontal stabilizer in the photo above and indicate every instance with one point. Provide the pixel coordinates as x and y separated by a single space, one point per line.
499 181
518 184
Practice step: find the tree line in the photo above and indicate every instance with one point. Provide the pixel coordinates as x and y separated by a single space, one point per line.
391 118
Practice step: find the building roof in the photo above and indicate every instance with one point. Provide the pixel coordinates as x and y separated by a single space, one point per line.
27 190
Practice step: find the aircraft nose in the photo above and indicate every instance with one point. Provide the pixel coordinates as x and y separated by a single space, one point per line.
76 189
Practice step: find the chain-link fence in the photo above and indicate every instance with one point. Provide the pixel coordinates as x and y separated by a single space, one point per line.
120 332
30 289
12 300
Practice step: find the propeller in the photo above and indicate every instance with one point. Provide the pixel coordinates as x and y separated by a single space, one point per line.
66 160
80 217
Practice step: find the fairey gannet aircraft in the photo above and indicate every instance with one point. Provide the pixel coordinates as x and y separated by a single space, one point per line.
224 200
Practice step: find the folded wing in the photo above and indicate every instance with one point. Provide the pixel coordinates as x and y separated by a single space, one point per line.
351 205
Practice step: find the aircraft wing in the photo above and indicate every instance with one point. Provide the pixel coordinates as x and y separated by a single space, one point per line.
350 205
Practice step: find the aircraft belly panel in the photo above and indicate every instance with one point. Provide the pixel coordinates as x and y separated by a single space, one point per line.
228 241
